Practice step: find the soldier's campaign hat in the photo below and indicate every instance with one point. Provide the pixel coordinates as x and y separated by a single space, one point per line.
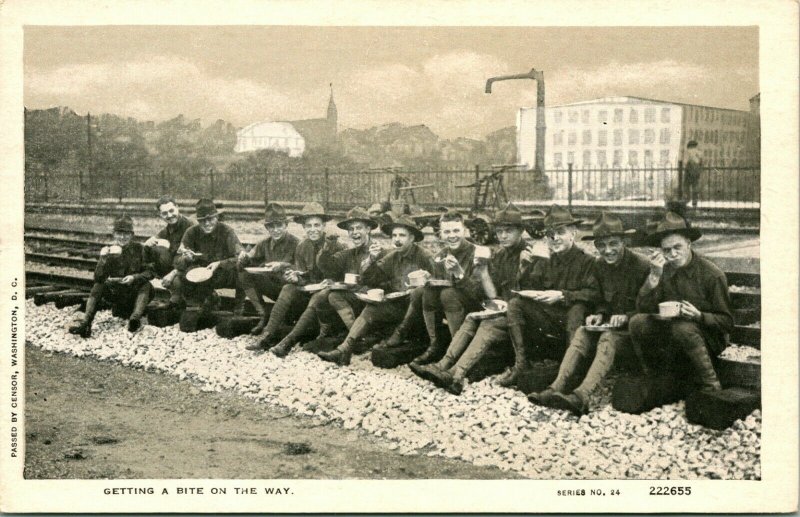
672 223
358 214
312 209
123 224
510 215
607 225
275 213
557 217
404 222
205 208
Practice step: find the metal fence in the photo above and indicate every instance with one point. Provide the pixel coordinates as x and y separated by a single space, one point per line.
736 187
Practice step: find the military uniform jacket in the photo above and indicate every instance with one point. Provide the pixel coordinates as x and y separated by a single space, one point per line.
305 259
571 272
703 284
270 250
504 269
336 265
135 259
391 271
465 254
620 283
221 244
174 233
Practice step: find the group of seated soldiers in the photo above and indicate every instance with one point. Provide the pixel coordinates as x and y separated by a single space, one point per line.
560 304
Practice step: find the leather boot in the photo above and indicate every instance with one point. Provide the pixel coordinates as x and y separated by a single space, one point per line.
434 349
259 328
517 335
341 355
576 402
397 337
84 328
704 368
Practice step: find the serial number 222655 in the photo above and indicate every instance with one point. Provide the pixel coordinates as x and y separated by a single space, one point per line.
670 490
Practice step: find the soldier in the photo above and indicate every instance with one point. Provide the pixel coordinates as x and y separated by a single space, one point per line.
565 287
278 247
620 274
334 263
292 300
455 264
122 277
212 244
475 337
679 274
177 225
390 273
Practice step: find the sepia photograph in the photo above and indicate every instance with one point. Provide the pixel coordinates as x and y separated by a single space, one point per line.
289 252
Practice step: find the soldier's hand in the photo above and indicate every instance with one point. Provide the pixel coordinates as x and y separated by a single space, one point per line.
375 251
126 280
291 277
657 262
690 312
104 251
330 243
593 320
527 254
166 281
242 258
151 242
618 320
550 297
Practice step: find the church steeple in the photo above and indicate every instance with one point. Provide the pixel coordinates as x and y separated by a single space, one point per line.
332 113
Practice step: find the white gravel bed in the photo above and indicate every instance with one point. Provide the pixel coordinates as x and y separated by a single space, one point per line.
486 425
742 354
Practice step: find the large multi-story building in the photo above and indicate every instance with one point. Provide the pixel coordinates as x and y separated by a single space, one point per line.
634 132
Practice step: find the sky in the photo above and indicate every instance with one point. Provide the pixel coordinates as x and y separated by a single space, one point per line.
412 75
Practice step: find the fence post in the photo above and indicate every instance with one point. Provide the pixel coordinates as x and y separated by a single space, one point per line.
326 194
46 189
119 184
680 180
211 181
163 182
569 186
80 183
266 188
477 187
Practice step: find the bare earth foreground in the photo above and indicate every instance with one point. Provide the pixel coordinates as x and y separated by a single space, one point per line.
92 419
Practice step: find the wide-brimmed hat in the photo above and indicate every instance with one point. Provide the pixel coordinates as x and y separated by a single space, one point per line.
510 215
204 209
358 214
312 209
557 217
607 225
123 224
403 222
274 213
672 223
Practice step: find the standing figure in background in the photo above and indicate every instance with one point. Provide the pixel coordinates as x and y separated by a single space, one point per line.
211 244
122 277
177 225
692 168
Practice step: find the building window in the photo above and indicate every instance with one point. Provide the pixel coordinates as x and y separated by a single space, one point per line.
557 160
633 136
649 136
573 138
558 138
602 137
573 116
648 157
664 136
633 158
617 137
618 158
618 115
587 137
571 158
585 116
601 159
634 116
664 158
558 116
587 159
602 116
665 115
649 115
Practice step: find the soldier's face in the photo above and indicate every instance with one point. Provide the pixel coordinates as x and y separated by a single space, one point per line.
169 213
561 239
677 249
508 236
209 223
314 228
122 238
610 248
452 233
402 238
358 233
276 230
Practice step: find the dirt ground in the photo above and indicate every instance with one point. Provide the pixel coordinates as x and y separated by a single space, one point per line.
87 419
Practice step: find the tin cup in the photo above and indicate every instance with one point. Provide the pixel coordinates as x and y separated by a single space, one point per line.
418 278
115 250
376 294
352 279
482 252
669 309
